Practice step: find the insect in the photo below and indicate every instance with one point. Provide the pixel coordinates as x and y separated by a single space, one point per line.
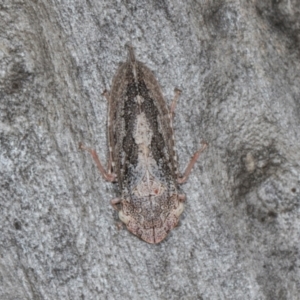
142 157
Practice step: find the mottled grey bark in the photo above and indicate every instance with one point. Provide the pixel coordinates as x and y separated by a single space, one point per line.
238 65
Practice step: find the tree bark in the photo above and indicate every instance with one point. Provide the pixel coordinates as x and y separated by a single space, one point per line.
238 65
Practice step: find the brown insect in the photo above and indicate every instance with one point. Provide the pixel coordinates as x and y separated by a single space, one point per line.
142 156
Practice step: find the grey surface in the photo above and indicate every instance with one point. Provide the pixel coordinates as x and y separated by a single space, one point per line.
238 65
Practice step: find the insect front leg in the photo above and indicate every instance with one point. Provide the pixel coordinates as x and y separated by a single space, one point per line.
190 165
107 174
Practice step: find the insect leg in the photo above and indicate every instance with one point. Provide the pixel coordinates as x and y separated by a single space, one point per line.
106 174
190 165
106 94
182 197
114 202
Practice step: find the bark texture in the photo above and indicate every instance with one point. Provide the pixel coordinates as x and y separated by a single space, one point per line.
238 64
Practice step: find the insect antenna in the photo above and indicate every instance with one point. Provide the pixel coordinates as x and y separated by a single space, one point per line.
131 56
